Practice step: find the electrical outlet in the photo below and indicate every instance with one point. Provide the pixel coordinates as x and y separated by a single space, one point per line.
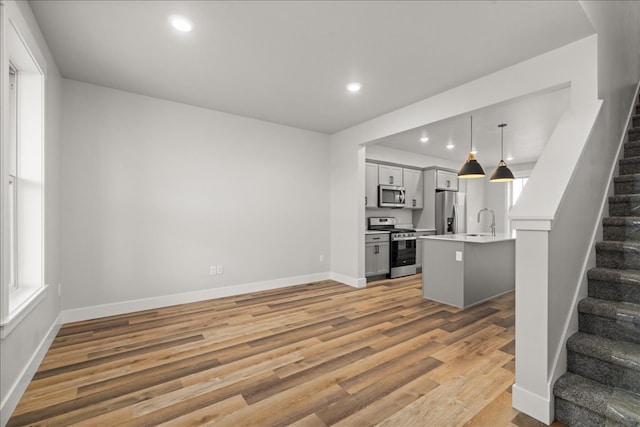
321 258
213 270
219 269
458 255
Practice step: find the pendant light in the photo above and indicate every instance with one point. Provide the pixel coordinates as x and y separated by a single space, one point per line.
471 169
502 173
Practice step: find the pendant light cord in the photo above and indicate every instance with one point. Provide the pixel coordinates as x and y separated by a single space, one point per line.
501 126
501 142
471 132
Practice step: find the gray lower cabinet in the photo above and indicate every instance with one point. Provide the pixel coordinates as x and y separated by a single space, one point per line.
376 254
419 246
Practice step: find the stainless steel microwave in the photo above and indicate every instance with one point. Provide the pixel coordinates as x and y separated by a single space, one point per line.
391 196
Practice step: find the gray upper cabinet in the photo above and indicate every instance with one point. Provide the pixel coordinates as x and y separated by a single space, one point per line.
414 187
371 186
389 175
446 180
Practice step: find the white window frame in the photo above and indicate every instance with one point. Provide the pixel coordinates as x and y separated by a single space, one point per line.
12 219
21 291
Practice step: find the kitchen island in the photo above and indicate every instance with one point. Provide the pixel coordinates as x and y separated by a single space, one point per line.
465 269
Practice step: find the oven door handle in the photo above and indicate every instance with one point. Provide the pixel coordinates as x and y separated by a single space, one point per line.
403 239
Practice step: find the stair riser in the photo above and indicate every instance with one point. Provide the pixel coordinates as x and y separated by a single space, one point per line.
621 233
636 120
614 291
631 151
574 415
603 372
609 328
634 135
618 259
627 187
629 168
631 208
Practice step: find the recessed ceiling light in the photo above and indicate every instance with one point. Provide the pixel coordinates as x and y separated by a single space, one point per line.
450 146
181 23
424 139
354 87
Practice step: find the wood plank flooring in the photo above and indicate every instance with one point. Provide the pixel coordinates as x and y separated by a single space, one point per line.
319 354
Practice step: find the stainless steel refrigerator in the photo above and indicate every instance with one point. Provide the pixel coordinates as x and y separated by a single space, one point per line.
451 212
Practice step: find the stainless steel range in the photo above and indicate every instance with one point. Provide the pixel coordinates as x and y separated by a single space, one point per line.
403 246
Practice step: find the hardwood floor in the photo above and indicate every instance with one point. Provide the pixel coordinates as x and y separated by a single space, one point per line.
312 355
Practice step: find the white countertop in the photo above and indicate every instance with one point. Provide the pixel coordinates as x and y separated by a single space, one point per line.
376 232
468 238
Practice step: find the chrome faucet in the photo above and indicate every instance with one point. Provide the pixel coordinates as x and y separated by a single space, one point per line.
493 220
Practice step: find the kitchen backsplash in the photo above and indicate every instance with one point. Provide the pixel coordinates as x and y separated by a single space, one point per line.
402 216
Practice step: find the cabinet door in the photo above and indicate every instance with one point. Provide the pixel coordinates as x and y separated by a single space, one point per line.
370 259
419 244
382 258
371 186
446 180
414 188
389 175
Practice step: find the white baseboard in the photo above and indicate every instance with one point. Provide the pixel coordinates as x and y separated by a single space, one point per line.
535 406
347 280
94 312
10 401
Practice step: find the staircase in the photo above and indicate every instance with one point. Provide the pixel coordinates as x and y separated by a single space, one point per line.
602 385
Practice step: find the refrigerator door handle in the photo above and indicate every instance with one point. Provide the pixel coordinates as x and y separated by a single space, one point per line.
455 218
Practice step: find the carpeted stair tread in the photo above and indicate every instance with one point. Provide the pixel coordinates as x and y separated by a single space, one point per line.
616 310
635 119
620 353
608 361
621 228
631 149
624 198
627 178
634 134
621 220
614 275
615 320
634 246
614 284
584 402
629 160
624 205
622 255
629 165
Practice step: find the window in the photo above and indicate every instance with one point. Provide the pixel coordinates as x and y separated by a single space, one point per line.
22 171
516 188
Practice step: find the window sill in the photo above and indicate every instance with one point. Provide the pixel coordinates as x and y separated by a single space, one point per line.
25 304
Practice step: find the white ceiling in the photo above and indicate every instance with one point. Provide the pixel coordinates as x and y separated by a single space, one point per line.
530 121
288 61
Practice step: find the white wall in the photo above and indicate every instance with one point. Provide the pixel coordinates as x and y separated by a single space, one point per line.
155 192
21 351
476 196
388 154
